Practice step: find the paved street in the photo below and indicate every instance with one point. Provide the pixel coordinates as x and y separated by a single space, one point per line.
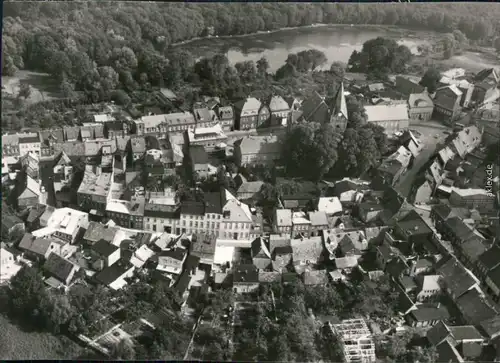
429 132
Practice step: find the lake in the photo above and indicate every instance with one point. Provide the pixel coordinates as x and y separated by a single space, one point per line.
336 42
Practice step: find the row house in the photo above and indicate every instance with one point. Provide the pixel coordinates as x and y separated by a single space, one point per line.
257 150
162 125
492 282
63 169
204 117
94 191
63 223
114 129
127 214
487 262
226 117
247 114
280 111
479 199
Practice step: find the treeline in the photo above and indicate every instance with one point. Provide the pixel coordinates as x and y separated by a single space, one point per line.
98 46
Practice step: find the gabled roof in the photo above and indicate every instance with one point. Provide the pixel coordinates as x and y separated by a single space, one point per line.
38 246
491 326
393 112
438 333
346 262
446 352
248 106
278 241
474 307
277 103
59 267
245 273
491 258
314 109
456 278
104 248
309 249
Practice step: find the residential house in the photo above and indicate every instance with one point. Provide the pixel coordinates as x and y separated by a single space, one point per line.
141 256
249 190
491 327
97 231
60 269
307 251
394 166
29 142
204 117
474 307
199 160
301 226
423 193
319 222
492 282
137 149
455 335
448 353
39 249
315 278
369 211
245 278
488 261
116 129
63 169
203 246
257 150
421 266
9 258
29 163
349 190
346 264
466 141
125 213
456 279
421 106
479 199
385 253
64 223
104 254
407 284
94 191
427 315
33 219
330 205
226 117
114 276
28 191
280 111
264 116
162 217
247 113
413 229
447 103
429 288
352 243
407 86
171 261
411 142
283 221
280 250
261 257
12 226
393 117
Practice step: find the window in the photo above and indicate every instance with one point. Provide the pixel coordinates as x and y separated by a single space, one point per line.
235 235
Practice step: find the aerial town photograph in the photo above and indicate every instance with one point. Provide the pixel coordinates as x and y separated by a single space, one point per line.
250 182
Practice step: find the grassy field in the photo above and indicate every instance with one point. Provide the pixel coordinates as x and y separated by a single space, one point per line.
17 344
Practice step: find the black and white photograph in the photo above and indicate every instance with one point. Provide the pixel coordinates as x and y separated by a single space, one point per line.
250 181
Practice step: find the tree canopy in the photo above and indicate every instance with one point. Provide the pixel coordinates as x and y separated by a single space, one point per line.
380 57
431 79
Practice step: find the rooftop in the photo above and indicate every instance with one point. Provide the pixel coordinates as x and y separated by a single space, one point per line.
96 184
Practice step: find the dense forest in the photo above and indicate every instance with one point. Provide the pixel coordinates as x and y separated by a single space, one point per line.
100 46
